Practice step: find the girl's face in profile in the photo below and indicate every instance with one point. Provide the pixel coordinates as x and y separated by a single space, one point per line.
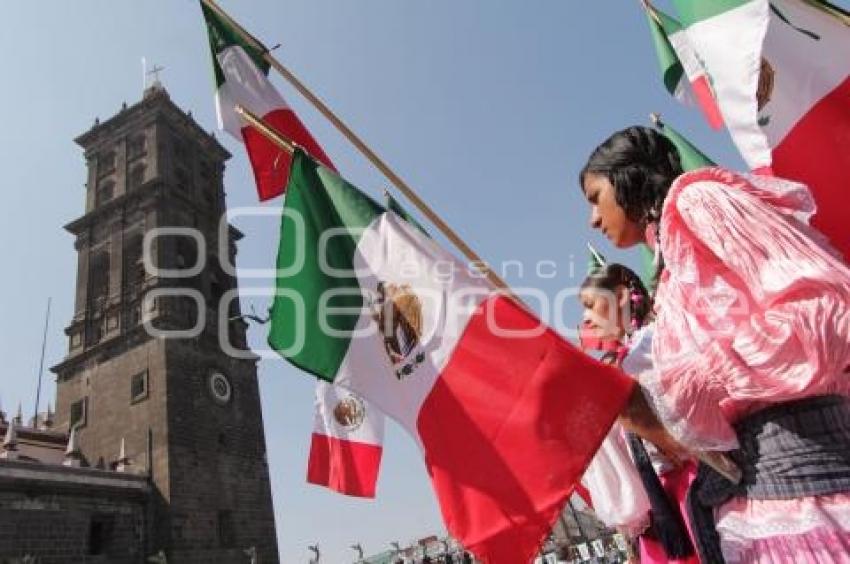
607 215
603 312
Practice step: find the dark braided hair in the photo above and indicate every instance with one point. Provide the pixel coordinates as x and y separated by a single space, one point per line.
610 277
641 164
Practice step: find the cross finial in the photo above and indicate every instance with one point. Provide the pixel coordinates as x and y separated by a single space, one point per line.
154 72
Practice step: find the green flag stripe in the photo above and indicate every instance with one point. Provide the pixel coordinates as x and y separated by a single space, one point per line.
324 201
671 68
222 36
394 206
668 23
691 157
693 11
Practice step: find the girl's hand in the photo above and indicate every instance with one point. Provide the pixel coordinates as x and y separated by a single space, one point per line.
639 418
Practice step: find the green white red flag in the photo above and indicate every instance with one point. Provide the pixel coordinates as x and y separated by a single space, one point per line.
348 431
781 73
241 78
681 69
347 442
507 414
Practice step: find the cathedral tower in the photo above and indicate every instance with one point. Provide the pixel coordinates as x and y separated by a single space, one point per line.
149 361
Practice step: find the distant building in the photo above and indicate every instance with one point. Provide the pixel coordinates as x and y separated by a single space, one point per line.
167 452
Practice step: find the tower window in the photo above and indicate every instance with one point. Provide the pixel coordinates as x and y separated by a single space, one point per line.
106 163
94 331
79 413
105 191
99 275
139 387
134 268
136 147
137 177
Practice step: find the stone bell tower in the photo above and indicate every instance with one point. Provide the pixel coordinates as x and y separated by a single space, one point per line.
157 352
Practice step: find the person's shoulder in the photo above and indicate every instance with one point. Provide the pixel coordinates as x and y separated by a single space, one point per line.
695 189
710 174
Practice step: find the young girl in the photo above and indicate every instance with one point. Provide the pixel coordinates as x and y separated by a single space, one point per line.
633 486
751 347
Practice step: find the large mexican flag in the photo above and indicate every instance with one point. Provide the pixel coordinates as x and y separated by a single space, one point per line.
781 72
507 414
241 78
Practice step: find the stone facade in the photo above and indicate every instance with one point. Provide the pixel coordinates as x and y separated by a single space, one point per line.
61 515
157 357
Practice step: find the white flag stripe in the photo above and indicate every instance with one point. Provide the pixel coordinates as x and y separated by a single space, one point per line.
806 69
739 32
370 430
392 251
246 85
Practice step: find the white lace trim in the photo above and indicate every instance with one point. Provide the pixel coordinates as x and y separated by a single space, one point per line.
737 527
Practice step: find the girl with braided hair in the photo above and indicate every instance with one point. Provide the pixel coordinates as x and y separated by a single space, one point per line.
632 484
751 346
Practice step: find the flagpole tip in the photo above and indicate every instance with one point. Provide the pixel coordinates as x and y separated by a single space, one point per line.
655 118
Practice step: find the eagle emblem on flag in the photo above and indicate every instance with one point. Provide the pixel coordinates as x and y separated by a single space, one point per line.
350 412
398 313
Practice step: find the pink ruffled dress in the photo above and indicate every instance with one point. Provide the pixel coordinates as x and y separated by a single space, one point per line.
753 311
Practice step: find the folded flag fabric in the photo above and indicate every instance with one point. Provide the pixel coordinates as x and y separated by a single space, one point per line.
241 78
681 69
781 74
507 414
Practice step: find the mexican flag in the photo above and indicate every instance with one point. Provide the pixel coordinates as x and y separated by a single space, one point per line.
781 72
683 73
347 442
507 414
241 78
348 431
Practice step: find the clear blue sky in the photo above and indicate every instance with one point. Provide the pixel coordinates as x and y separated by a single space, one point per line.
487 108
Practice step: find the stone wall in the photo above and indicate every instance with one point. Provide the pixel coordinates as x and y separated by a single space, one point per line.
81 515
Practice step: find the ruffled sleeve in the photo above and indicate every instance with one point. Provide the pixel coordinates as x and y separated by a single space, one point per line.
619 499
753 307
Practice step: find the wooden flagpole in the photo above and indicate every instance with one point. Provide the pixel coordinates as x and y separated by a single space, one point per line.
370 155
289 146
